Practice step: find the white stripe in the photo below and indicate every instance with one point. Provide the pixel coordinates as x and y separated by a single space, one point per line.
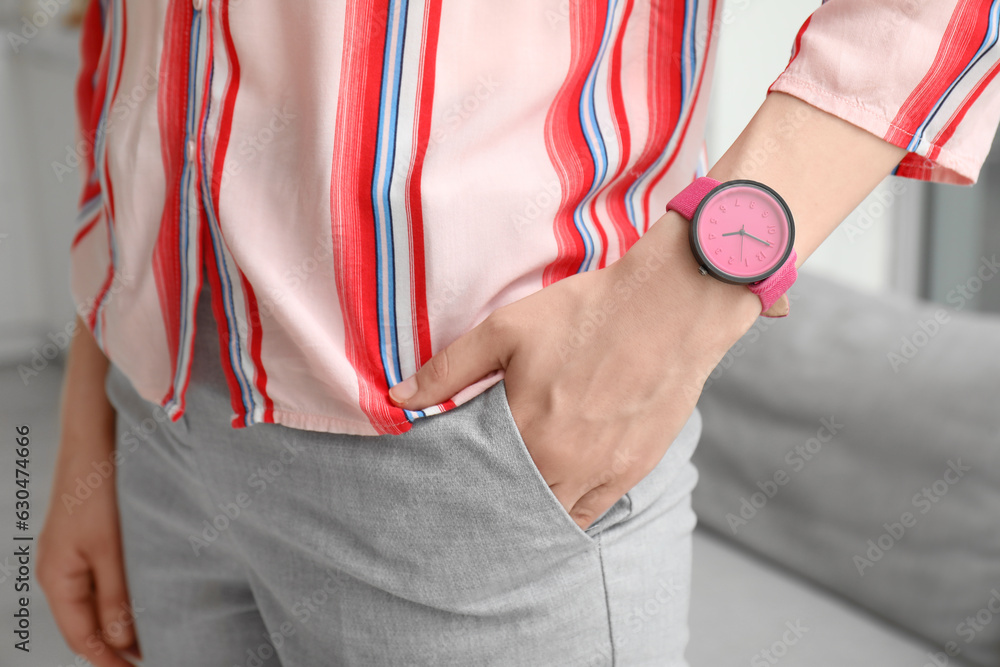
686 110
386 132
612 141
401 229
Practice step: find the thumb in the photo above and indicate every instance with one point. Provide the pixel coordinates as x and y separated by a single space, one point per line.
470 358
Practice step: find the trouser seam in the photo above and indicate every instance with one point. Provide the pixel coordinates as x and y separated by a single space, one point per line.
607 600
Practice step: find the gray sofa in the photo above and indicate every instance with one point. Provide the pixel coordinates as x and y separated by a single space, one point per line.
849 493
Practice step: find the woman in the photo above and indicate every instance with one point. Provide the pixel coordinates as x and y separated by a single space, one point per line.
463 203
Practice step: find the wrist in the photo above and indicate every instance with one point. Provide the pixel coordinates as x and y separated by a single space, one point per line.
730 309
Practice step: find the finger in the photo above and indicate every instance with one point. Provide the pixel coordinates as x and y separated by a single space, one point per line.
468 359
113 608
596 502
73 607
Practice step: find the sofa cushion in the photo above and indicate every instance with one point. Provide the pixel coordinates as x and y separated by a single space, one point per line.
857 442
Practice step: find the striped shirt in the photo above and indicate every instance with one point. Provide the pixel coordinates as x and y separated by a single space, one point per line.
366 180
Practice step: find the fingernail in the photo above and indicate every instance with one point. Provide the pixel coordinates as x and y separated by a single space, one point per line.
405 390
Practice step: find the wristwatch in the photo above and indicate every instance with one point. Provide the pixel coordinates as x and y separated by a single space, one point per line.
742 232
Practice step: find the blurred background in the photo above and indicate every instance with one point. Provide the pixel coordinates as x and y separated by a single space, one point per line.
910 243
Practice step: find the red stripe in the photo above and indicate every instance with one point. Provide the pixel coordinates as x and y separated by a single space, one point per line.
90 98
172 116
687 121
423 113
254 342
627 234
208 257
352 217
565 142
663 96
956 119
109 199
83 230
962 38
797 47
201 223
225 133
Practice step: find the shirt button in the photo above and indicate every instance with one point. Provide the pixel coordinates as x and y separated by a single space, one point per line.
197 5
192 150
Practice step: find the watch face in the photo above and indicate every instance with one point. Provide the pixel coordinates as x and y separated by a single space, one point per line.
742 231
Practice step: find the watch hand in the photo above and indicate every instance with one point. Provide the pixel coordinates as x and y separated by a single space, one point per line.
740 232
757 239
742 238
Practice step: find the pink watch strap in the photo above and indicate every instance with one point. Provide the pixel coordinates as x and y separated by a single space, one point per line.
687 200
769 290
774 286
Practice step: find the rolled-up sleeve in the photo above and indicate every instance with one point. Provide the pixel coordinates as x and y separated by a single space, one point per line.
921 74
89 253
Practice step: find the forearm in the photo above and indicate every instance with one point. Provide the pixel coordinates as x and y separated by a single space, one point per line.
87 417
821 165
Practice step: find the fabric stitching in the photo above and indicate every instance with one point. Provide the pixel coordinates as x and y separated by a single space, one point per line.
607 597
964 160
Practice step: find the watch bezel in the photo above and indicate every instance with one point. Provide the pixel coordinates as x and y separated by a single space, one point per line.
703 259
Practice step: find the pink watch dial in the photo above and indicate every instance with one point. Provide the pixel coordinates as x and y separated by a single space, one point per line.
742 231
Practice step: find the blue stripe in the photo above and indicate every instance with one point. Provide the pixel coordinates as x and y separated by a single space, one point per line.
186 177
99 152
687 65
88 210
595 139
392 69
989 41
229 307
688 69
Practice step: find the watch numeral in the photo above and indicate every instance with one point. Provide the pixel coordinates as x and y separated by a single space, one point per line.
713 221
772 230
763 214
760 255
722 207
711 236
736 203
752 203
718 251
731 259
746 261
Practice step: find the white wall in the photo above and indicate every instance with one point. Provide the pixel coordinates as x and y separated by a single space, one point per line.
37 210
756 41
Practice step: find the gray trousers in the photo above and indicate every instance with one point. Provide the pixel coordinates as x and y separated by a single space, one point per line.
273 546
